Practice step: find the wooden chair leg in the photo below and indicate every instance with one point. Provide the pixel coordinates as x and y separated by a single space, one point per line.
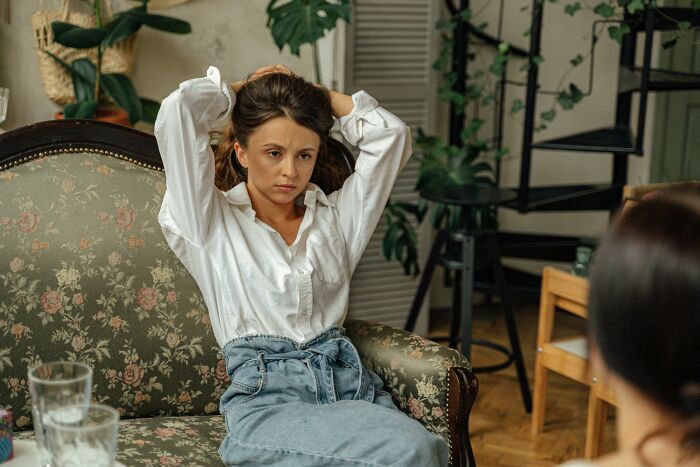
539 400
595 425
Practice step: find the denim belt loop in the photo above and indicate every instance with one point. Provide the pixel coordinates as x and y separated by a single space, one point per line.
261 362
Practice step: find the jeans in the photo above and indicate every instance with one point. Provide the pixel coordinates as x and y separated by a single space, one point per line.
314 404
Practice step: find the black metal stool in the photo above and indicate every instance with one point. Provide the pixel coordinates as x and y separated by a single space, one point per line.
462 262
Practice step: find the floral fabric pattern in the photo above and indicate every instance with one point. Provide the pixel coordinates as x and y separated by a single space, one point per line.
87 276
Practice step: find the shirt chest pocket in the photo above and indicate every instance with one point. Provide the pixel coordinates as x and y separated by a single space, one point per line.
327 254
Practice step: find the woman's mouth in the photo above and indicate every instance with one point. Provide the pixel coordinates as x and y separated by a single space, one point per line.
285 188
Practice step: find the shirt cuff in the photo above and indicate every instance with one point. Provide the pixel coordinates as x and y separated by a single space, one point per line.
221 120
364 111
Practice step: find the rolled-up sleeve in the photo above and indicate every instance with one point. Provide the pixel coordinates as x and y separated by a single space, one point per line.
182 130
385 147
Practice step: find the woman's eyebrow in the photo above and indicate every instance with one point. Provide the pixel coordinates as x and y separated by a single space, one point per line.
277 146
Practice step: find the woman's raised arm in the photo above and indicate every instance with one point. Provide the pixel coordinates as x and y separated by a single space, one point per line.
182 130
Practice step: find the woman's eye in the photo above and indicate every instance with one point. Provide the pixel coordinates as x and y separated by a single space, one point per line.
274 154
305 156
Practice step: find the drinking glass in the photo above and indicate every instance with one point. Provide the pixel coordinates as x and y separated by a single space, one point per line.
52 386
82 436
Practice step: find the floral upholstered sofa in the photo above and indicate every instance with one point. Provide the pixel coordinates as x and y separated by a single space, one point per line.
86 274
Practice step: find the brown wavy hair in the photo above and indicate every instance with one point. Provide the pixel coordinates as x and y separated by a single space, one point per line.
281 95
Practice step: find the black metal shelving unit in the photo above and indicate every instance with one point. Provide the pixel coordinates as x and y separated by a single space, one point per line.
620 139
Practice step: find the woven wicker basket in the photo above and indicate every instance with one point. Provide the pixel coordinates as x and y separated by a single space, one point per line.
57 82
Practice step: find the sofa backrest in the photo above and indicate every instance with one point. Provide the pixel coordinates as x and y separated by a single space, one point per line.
86 275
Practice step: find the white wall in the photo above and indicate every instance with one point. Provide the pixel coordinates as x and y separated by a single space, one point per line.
227 33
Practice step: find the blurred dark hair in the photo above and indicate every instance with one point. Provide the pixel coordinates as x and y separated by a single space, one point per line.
281 95
644 305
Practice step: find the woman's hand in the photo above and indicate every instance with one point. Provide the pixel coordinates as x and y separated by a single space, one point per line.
266 70
342 104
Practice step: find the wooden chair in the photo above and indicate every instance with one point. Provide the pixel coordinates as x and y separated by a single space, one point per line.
568 356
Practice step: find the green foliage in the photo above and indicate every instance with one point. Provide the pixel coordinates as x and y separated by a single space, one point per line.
90 84
604 9
616 33
298 22
572 8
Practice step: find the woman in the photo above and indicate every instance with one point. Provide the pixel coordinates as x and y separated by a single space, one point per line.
273 255
645 324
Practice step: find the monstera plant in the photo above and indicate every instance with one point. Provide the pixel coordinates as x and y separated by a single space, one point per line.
297 22
94 88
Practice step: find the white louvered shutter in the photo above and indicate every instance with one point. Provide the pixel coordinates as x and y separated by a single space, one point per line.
389 49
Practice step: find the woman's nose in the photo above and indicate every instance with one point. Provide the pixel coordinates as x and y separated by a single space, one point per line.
289 168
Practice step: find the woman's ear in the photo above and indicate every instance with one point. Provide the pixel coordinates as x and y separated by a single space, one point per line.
241 154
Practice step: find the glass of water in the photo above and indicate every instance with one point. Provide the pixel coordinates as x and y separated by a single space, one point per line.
82 436
52 386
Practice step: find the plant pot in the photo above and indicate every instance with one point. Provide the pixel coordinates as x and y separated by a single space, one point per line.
110 115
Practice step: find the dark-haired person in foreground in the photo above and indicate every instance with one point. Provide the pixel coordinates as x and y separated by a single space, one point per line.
644 309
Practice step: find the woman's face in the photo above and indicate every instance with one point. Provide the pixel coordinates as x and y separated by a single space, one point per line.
280 158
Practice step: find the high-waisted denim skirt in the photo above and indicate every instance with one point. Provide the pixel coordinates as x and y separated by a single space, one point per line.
314 404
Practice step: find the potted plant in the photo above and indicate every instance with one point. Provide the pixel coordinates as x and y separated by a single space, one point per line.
298 22
97 92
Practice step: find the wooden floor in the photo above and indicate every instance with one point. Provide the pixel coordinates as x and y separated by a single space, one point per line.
499 425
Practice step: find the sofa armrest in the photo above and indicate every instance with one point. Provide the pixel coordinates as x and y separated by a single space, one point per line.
430 382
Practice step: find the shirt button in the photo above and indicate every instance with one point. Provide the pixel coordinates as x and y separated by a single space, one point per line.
301 271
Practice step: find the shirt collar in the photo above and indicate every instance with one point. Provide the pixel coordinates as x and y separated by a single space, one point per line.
238 195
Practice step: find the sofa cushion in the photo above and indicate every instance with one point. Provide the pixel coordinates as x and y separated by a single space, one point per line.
86 275
174 441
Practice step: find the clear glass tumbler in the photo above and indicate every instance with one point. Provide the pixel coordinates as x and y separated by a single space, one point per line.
82 436
55 385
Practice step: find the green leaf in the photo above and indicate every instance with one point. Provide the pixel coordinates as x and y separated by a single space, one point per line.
576 93
577 60
517 106
389 240
605 10
618 32
445 24
695 4
160 22
465 15
635 5
572 8
537 60
300 22
120 88
150 109
84 73
76 37
82 109
565 101
548 115
684 26
501 153
121 27
670 43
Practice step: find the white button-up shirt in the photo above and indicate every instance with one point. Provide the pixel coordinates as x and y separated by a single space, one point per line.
252 281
